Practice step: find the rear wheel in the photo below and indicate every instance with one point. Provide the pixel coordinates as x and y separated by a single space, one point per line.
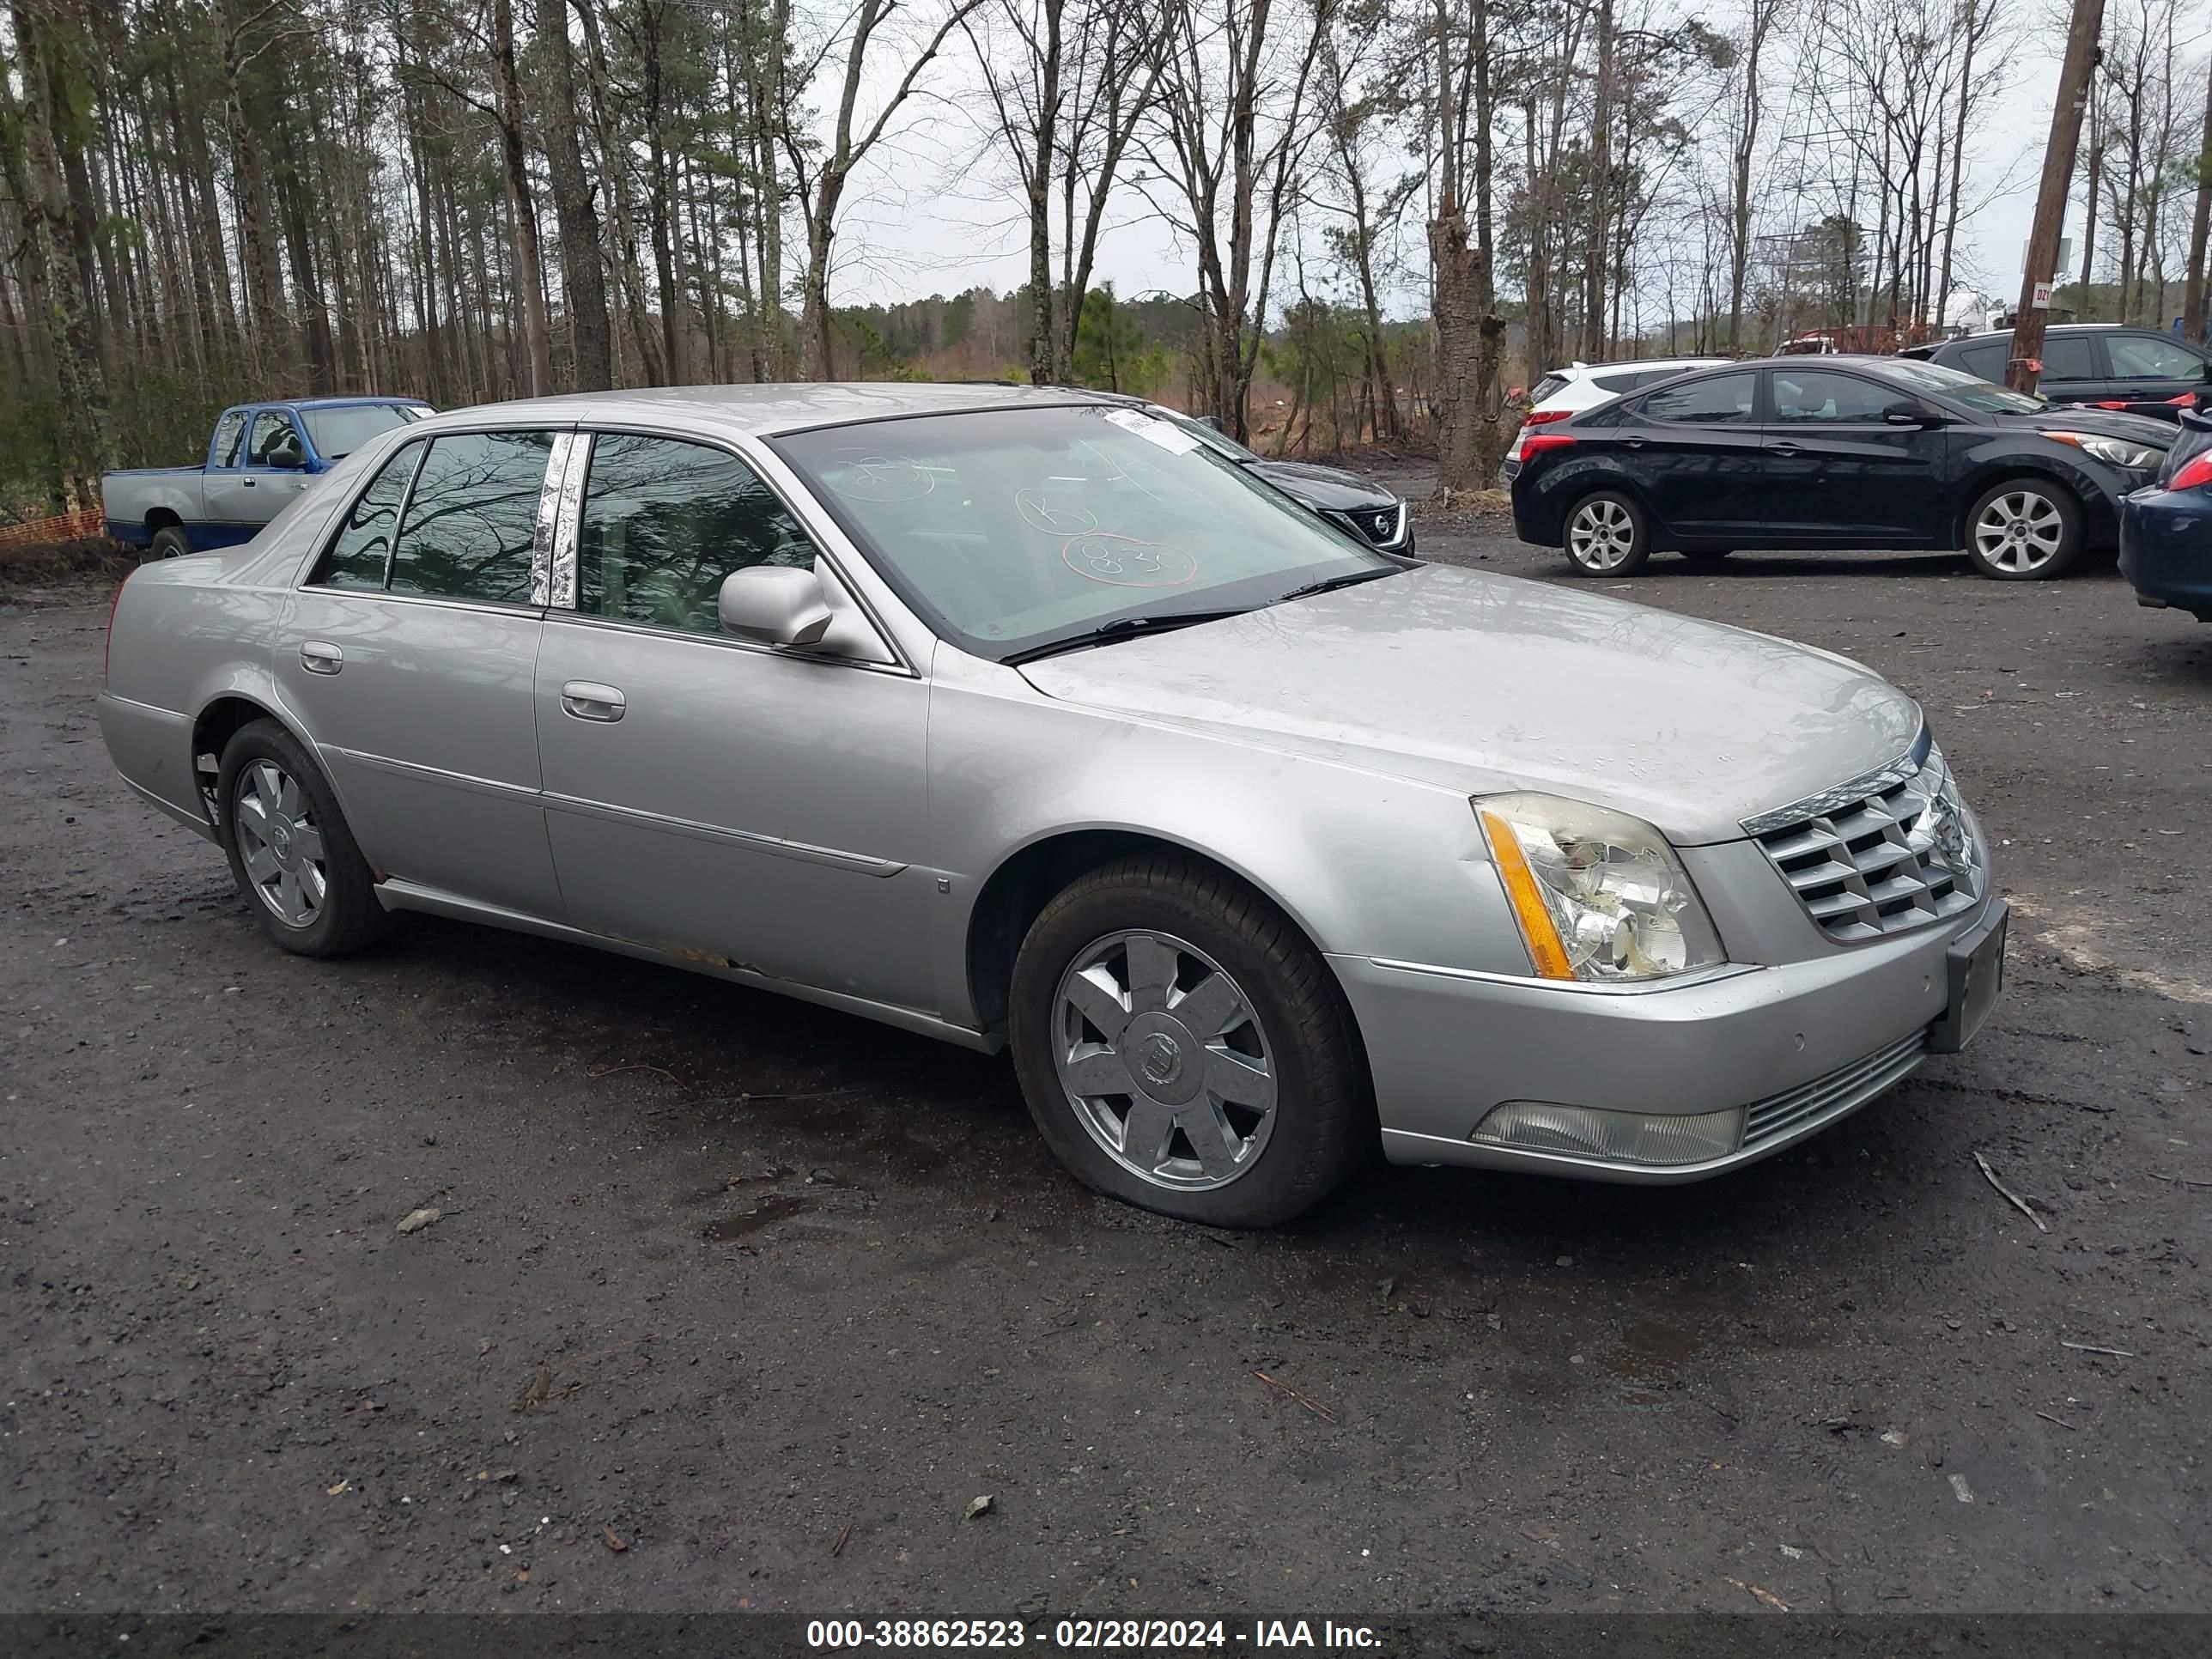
291 853
1182 1048
1607 536
2024 530
170 542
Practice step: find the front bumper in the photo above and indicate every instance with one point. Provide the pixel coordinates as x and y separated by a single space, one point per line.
1799 1045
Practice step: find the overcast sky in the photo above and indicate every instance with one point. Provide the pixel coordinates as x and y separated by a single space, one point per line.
906 235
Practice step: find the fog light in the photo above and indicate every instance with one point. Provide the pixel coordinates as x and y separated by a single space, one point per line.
1535 1125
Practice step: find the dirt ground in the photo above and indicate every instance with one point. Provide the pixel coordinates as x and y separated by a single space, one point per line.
735 1303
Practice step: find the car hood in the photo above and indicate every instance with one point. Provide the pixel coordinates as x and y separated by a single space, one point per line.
2106 422
1480 683
1323 486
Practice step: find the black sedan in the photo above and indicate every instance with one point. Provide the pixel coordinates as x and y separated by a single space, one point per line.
2165 527
1832 451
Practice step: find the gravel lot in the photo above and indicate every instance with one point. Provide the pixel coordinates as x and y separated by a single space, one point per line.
736 1303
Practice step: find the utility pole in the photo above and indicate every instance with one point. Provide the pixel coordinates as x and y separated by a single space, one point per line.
2083 53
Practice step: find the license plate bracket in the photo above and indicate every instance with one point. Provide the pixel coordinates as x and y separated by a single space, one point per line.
1976 966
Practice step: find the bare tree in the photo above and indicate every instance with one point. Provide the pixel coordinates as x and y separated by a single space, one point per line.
821 176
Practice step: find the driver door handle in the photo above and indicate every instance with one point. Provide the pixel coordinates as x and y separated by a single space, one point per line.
587 699
321 657
1785 448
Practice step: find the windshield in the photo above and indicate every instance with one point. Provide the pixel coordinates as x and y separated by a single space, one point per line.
1010 529
1960 387
339 431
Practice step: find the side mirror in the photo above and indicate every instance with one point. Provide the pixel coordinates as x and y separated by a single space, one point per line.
1906 412
1214 421
775 604
286 454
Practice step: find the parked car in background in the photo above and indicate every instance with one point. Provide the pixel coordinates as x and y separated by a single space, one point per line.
1570 391
1016 717
1370 512
2165 527
260 458
1833 452
2138 371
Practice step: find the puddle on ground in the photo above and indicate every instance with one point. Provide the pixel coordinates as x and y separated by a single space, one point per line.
771 1208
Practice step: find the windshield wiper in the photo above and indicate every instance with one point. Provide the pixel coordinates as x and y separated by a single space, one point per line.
1329 584
1120 628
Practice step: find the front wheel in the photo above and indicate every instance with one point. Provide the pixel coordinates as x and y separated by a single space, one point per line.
2024 530
1182 1048
1607 536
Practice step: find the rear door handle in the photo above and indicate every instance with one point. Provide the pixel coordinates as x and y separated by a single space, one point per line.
1633 443
247 483
587 699
1785 449
321 657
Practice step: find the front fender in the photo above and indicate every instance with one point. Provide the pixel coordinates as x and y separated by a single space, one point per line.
1365 864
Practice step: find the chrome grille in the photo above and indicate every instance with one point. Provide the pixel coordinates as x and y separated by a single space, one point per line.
1892 851
1845 1087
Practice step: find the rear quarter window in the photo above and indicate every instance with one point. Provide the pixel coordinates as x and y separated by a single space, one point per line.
1549 387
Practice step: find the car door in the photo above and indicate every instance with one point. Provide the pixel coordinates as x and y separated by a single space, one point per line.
224 497
2150 368
407 656
1692 449
274 472
753 807
1837 470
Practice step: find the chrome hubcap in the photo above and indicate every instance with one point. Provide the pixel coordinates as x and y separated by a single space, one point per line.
1164 1060
2019 530
1602 534
280 844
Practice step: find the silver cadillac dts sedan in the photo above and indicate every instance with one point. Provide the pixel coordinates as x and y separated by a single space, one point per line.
1022 719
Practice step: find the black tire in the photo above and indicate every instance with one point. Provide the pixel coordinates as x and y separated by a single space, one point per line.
169 542
1322 1124
347 917
1617 530
2039 499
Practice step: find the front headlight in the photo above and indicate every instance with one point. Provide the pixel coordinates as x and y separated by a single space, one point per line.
2113 452
1599 896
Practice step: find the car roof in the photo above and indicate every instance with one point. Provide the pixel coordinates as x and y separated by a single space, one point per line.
296 404
2053 328
1645 365
764 410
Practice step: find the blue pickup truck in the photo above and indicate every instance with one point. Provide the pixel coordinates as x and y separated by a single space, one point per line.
261 459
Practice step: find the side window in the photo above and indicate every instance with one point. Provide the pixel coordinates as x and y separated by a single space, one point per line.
2068 357
1816 395
1985 361
1723 400
2146 357
229 434
473 518
272 431
356 556
665 521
